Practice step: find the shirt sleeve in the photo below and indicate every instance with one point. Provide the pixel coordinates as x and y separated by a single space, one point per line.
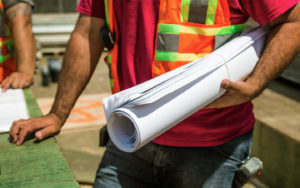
264 11
93 8
10 3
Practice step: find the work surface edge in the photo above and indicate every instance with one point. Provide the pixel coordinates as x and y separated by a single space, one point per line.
34 164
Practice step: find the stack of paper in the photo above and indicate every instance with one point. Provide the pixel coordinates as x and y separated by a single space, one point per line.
138 115
12 107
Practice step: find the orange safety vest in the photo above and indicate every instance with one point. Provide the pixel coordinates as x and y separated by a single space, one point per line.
7 59
186 31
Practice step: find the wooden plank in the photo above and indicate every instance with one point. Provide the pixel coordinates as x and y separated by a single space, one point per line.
34 164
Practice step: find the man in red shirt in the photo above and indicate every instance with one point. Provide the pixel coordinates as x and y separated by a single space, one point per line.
204 150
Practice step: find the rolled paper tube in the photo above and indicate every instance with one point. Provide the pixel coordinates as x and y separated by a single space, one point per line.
133 124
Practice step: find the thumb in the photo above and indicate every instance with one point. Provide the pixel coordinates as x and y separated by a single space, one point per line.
229 85
46 132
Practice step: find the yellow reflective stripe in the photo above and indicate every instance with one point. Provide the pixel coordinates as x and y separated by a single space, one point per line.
211 31
190 56
165 56
169 28
232 29
211 11
173 56
185 8
177 29
199 31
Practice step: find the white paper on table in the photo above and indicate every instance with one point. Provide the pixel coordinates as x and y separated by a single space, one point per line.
12 107
138 115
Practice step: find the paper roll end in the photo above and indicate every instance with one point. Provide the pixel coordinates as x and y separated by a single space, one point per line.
122 132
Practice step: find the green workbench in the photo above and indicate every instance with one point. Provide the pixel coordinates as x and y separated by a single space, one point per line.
33 164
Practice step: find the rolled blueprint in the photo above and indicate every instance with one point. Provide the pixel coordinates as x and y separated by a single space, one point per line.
138 115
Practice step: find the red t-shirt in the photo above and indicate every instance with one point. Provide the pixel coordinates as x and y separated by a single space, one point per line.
137 22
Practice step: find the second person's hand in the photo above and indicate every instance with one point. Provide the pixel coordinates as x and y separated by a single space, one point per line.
17 80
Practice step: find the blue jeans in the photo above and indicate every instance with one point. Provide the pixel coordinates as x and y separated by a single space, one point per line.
155 166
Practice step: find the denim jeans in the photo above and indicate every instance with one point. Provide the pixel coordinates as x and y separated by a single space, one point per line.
155 166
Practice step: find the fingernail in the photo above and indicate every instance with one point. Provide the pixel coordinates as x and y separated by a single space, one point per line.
226 84
38 135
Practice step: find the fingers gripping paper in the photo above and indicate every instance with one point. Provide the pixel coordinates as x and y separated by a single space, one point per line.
138 115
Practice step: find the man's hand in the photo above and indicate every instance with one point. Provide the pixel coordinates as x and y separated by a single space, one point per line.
41 127
237 93
79 64
282 44
17 80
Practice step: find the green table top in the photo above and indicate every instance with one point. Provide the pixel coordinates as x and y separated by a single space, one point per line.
33 164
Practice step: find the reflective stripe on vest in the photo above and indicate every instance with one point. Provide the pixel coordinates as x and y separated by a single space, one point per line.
168 38
190 29
187 30
193 11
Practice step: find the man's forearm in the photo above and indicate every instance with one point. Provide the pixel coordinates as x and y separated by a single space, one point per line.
282 45
20 19
77 69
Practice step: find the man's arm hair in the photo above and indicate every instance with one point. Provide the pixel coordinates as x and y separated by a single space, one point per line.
282 45
82 55
81 58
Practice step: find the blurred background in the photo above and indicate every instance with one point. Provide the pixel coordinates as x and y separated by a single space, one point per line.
276 141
